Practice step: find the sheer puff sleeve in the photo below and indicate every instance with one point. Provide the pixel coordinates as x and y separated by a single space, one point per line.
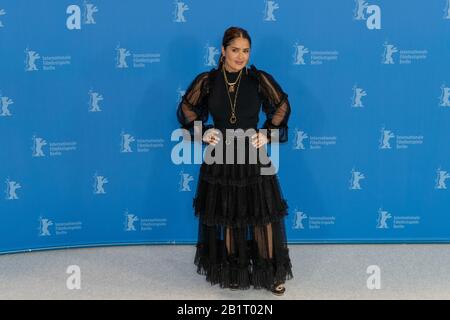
275 105
193 105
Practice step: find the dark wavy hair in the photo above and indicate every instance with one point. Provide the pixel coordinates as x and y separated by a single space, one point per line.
230 34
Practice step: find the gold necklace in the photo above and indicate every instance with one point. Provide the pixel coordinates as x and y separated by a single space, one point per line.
233 117
231 84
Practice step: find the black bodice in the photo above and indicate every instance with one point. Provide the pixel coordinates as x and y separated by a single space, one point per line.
248 101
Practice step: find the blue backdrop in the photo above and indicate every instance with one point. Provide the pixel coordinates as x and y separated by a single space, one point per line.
89 90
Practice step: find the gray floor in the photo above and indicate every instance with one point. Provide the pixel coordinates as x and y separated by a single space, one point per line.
167 272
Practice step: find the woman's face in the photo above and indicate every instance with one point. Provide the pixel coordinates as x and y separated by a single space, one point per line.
236 54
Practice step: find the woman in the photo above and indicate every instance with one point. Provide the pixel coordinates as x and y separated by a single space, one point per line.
241 236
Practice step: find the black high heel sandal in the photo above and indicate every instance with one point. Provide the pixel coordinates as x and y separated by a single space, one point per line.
234 286
278 289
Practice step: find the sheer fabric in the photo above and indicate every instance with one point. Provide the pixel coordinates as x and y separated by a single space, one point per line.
275 104
241 234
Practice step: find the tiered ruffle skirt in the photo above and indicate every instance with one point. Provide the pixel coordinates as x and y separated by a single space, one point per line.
241 237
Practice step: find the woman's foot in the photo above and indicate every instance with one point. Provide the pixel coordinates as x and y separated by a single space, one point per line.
278 289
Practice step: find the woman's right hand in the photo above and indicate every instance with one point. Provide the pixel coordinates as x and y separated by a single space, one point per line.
211 136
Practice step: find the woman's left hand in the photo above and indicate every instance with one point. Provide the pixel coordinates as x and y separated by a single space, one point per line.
259 139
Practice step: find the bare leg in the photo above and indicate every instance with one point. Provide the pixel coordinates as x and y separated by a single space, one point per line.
229 240
270 240
265 249
279 287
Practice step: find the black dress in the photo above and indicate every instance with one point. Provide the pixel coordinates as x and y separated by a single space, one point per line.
241 237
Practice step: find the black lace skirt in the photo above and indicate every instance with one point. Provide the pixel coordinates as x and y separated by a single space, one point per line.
241 237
